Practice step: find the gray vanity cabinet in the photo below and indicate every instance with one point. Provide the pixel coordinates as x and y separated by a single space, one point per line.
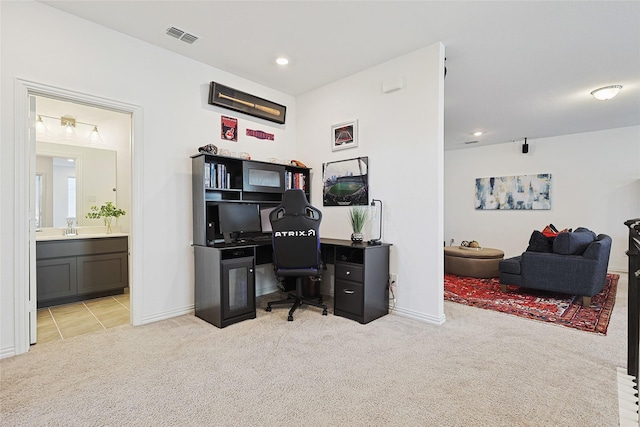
77 269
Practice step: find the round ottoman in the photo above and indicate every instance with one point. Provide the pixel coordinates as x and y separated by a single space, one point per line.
481 263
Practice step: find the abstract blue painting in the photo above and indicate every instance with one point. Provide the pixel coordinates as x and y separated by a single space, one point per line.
520 192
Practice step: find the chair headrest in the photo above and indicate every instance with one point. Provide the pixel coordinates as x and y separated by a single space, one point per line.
295 202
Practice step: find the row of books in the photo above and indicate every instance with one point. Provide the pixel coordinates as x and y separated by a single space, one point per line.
216 176
295 180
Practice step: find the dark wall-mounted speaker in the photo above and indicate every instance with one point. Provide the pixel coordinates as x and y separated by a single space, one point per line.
525 148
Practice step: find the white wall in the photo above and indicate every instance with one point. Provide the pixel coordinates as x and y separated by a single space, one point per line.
402 134
172 91
596 184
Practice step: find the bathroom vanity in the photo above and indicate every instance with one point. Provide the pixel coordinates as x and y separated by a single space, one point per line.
75 268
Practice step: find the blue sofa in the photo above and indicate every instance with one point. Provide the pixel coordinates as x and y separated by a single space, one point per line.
573 263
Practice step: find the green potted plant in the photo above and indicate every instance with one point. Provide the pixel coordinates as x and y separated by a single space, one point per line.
358 216
107 212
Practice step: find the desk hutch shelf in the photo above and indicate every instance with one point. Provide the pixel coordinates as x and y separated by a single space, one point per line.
220 179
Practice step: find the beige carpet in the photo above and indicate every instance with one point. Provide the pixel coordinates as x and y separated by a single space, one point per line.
481 368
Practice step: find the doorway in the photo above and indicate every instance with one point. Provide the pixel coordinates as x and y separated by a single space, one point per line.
24 242
83 159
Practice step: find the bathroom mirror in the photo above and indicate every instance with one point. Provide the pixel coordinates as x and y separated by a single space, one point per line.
69 180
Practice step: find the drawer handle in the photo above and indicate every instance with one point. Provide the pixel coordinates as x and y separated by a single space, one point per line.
348 291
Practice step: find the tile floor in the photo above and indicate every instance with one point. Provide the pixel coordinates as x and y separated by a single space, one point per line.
69 320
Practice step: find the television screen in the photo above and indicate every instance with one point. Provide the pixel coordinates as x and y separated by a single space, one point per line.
239 218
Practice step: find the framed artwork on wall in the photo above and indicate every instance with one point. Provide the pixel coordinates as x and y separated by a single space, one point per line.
233 99
344 135
520 192
346 182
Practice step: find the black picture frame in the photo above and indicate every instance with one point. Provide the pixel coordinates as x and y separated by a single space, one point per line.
236 100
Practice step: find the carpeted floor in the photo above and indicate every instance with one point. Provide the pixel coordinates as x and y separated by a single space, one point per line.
480 368
551 307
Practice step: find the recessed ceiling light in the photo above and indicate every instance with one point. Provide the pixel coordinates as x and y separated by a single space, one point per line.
282 61
606 92
478 133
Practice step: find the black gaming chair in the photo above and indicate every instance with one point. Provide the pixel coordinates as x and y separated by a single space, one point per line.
296 246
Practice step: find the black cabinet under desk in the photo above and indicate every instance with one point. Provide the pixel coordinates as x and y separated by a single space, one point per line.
225 284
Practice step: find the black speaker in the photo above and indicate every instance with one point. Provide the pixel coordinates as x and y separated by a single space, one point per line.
525 147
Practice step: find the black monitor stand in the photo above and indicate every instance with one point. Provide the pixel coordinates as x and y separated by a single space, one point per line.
229 237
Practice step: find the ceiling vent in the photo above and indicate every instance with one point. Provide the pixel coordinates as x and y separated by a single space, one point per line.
181 35
470 142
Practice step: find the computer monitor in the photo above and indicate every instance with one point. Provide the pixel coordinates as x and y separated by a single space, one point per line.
238 219
264 220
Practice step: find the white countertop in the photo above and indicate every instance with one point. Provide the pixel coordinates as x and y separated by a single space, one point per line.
77 236
92 232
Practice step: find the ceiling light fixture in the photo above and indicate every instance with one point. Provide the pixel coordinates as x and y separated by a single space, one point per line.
478 133
606 92
282 61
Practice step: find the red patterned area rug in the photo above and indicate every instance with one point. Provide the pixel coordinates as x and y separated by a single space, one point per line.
560 309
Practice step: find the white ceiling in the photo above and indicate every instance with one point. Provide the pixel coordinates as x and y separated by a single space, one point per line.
515 69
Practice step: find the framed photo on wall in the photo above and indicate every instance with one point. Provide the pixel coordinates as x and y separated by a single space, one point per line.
346 182
344 135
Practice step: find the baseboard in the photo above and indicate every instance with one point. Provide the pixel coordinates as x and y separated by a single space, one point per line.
7 352
418 316
168 314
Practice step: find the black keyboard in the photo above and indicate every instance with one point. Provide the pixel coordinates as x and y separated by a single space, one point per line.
261 239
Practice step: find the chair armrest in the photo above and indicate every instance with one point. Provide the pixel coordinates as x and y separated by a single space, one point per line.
561 273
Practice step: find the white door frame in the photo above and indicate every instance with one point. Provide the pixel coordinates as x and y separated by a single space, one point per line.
24 237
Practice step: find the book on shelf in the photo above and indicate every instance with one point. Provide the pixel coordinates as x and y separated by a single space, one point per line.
207 175
216 176
295 180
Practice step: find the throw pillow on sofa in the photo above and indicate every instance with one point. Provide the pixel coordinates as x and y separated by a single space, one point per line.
538 242
573 243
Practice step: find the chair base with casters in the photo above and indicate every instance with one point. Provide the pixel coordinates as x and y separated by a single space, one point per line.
298 299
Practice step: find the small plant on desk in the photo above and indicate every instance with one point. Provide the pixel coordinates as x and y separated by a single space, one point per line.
358 216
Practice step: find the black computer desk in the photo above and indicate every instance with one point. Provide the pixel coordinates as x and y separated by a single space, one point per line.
361 279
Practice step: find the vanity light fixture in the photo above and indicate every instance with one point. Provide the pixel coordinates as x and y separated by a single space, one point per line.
606 92
40 126
69 126
95 135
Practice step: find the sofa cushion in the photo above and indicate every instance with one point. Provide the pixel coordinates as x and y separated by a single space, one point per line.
538 242
573 243
510 265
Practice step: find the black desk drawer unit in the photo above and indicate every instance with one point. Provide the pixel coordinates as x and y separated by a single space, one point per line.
347 271
361 290
350 299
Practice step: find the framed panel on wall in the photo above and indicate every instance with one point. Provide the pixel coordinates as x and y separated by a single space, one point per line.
233 99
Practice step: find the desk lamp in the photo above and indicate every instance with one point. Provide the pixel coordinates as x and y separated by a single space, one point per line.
374 215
